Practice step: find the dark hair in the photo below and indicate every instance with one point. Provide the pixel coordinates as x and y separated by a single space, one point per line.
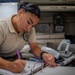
30 7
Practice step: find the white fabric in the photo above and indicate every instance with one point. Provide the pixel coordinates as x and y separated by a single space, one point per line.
10 41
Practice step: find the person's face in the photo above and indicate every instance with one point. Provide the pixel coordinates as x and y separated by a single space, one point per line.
26 21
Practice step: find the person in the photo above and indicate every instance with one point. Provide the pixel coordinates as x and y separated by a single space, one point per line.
15 32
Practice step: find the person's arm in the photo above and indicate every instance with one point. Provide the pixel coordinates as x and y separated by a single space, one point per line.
15 66
36 50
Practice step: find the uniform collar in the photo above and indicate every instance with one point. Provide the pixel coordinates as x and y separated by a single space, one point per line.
11 28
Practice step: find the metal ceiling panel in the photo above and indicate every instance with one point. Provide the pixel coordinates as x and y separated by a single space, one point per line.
51 1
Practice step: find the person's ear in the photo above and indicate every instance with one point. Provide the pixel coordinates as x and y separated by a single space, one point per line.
20 11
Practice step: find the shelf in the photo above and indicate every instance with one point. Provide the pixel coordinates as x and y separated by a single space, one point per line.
57 8
51 1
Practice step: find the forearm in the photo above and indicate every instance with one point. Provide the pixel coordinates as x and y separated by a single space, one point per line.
4 64
37 51
15 66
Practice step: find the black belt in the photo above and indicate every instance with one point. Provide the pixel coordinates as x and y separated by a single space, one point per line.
10 58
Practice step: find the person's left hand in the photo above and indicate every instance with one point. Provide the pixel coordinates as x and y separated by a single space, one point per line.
49 59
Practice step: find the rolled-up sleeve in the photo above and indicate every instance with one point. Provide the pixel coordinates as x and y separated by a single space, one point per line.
1 35
32 36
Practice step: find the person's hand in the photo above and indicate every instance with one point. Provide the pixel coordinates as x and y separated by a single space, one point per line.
17 66
49 59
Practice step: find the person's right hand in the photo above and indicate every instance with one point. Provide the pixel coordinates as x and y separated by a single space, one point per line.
17 66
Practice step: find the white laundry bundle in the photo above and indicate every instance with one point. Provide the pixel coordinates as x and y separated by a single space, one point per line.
55 53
